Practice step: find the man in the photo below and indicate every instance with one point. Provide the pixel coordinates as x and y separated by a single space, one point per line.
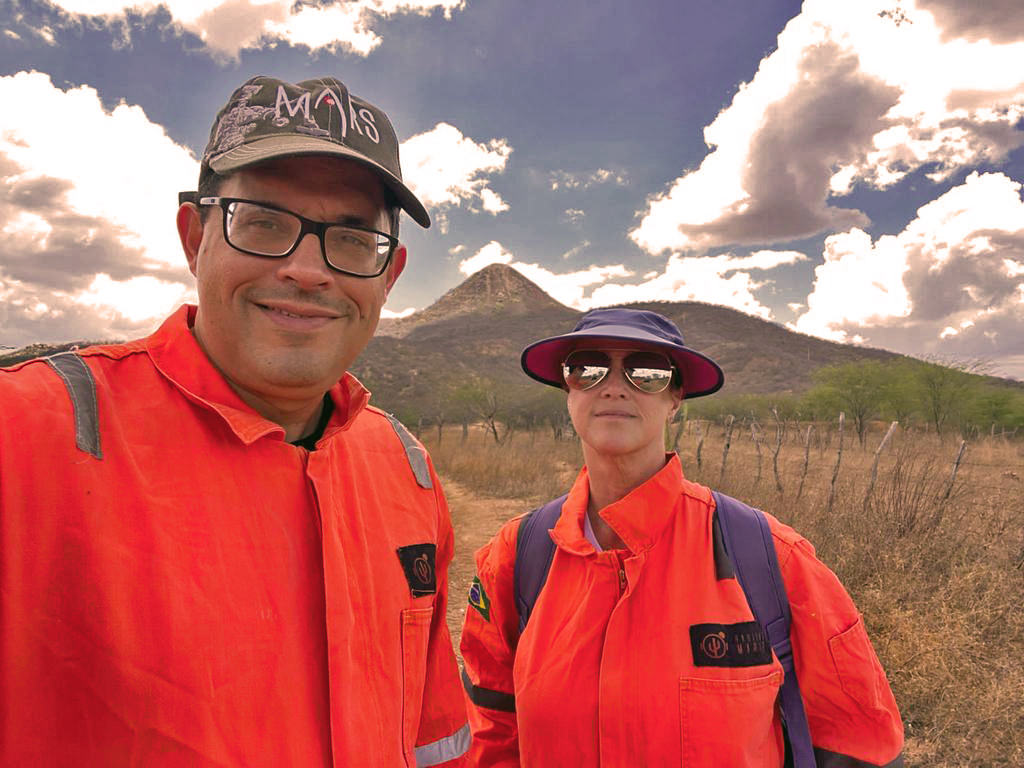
215 553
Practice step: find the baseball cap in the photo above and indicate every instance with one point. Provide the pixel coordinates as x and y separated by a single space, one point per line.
542 360
267 118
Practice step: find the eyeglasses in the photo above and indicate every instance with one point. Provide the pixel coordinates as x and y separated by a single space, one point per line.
261 229
649 372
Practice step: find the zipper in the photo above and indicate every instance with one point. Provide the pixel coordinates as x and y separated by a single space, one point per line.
620 558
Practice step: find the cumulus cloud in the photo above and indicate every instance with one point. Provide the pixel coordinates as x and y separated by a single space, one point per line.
445 168
1001 21
855 93
87 231
951 284
492 253
229 26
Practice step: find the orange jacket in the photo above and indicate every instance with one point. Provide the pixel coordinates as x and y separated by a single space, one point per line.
608 673
207 594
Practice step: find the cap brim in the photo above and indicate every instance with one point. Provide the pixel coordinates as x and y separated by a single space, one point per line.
273 147
543 359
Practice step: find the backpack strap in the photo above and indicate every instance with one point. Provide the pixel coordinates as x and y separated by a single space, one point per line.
81 387
747 539
534 552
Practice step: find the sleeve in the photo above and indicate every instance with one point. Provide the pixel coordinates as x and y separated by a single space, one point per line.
489 637
851 711
444 735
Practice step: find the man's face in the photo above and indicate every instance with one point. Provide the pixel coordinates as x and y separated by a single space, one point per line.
285 330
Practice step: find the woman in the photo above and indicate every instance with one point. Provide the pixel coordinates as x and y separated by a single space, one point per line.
607 671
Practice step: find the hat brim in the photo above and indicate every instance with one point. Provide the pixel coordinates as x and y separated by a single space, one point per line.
272 147
543 359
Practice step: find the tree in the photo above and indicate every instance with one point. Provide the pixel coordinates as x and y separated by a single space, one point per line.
900 397
854 388
944 386
481 398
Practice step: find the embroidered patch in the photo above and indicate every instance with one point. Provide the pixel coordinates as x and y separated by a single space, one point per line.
729 645
478 599
418 563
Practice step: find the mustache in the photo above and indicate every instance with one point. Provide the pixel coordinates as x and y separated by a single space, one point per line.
335 304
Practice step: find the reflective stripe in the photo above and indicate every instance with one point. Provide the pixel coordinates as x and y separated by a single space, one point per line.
485 697
826 759
414 453
443 750
81 388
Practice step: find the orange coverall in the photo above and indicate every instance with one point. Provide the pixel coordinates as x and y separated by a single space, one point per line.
207 594
608 673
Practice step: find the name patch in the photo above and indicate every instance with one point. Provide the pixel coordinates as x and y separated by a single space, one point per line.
729 645
418 563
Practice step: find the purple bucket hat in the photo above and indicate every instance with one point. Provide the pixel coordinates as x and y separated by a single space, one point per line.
543 359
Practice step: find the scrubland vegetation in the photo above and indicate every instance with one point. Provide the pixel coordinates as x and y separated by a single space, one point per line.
926 531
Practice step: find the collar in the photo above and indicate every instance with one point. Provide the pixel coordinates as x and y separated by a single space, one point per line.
178 356
639 518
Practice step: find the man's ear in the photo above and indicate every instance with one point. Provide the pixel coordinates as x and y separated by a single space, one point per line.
190 232
396 266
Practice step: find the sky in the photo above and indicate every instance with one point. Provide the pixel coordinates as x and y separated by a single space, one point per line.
851 170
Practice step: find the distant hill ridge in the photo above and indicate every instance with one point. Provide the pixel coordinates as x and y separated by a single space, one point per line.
477 330
493 287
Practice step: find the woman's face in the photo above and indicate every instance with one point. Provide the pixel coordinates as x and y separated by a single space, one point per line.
614 418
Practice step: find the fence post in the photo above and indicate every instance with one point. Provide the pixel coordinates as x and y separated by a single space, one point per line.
725 449
700 442
956 466
779 434
756 437
874 464
839 459
807 458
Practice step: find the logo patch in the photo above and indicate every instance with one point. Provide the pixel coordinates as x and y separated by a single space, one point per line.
729 645
478 599
418 563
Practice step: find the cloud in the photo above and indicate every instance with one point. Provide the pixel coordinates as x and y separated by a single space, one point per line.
952 283
86 230
1001 21
492 253
725 279
568 288
230 26
566 180
445 168
854 94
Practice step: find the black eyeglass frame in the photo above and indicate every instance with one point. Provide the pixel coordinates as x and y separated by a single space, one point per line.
626 369
306 226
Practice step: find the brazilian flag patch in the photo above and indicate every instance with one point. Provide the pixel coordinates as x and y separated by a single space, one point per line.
479 599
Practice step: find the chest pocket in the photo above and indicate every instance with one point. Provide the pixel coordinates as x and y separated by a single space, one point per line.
415 639
730 723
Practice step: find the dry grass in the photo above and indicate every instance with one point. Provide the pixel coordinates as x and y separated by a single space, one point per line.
935 568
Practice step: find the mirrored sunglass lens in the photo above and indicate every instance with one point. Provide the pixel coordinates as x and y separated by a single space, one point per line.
648 371
261 230
583 370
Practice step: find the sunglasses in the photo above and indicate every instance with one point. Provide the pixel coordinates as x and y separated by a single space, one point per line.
649 372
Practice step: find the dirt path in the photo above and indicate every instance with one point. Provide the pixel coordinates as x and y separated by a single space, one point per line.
475 520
